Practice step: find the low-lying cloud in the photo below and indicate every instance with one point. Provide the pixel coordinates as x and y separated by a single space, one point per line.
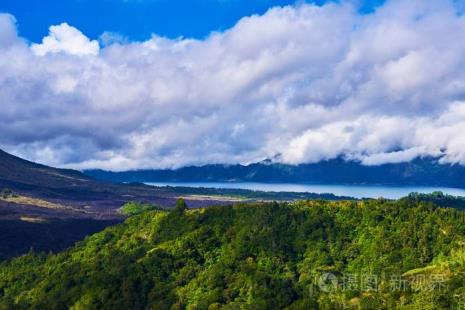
305 82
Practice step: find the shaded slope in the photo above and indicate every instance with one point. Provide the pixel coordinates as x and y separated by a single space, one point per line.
18 237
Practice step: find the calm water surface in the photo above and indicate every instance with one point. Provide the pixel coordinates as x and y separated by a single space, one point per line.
357 191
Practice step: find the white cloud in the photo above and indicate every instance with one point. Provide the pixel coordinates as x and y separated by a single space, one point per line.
67 39
303 81
8 34
393 157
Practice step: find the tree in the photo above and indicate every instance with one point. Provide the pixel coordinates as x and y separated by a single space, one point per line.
6 193
181 206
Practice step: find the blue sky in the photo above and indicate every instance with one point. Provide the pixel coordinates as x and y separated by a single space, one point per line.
138 19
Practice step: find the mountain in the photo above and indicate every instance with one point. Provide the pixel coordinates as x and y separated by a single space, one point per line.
418 172
22 174
73 187
373 254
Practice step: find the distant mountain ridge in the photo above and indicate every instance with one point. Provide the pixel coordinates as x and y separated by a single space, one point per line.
418 172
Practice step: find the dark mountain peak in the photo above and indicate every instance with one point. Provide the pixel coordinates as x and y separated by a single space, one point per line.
37 180
276 159
7 158
20 174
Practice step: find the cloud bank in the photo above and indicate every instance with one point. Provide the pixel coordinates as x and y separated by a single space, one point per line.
305 82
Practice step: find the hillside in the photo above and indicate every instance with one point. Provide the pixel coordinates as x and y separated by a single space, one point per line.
418 172
306 255
39 180
78 193
22 174
29 189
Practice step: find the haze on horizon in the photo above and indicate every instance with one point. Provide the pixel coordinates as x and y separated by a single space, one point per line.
307 82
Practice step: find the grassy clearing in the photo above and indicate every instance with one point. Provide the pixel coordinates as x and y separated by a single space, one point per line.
23 200
30 219
134 208
40 203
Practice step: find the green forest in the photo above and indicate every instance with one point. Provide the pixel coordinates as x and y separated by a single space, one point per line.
371 254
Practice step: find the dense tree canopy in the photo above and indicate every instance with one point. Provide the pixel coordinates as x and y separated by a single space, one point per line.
375 254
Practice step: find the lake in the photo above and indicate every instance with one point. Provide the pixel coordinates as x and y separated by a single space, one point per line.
357 191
